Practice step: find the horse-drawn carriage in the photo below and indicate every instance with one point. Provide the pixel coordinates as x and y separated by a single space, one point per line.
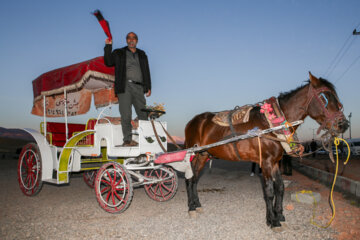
94 148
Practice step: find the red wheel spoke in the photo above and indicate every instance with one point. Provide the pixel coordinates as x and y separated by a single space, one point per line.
114 178
105 181
156 188
27 180
162 194
105 189
117 183
165 187
109 176
113 198
119 197
33 178
167 181
26 157
108 196
24 162
30 182
157 174
121 189
31 164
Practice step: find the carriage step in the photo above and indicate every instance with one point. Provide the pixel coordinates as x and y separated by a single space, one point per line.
51 180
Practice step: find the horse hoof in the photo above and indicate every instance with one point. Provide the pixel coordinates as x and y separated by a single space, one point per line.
278 229
192 214
199 210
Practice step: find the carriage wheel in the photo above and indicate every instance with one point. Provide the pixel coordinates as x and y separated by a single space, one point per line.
89 177
161 191
29 170
113 188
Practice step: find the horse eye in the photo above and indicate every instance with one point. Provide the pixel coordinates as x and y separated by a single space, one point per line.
333 99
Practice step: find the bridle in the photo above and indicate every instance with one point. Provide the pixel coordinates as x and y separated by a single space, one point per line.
318 94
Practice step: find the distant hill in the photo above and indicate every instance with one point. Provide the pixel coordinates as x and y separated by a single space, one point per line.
178 140
14 133
13 139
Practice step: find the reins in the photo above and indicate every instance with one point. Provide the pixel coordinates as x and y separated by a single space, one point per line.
315 93
166 132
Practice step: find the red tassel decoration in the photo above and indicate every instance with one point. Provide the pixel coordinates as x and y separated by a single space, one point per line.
104 24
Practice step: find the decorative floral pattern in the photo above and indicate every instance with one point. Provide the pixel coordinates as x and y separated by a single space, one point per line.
266 108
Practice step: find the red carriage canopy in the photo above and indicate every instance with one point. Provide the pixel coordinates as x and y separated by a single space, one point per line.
81 81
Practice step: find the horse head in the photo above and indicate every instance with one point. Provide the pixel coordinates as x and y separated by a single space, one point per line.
324 106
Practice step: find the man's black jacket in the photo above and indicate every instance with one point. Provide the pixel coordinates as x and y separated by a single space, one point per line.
117 58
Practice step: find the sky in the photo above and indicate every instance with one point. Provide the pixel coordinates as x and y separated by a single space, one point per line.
203 55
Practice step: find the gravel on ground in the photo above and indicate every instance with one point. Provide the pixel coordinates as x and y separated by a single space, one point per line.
232 200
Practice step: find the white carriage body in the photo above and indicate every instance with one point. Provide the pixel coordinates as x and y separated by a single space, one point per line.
106 135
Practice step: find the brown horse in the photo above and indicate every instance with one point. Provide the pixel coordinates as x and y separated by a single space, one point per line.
317 99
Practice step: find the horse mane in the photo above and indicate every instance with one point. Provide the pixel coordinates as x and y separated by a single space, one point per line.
324 82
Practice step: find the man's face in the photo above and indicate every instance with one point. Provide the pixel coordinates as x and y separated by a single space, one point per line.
131 40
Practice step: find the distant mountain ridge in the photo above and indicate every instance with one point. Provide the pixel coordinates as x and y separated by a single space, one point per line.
178 140
14 133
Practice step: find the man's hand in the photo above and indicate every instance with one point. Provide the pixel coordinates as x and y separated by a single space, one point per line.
108 41
148 94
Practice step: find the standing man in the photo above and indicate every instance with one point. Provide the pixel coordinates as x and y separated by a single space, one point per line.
132 81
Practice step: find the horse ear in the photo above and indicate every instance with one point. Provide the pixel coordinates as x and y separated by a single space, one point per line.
314 80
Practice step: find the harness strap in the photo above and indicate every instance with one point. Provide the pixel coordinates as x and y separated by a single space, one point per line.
260 153
170 137
233 133
156 135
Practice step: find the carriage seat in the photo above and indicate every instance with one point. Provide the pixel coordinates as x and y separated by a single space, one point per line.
56 132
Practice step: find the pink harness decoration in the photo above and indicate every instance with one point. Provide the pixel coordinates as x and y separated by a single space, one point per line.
275 117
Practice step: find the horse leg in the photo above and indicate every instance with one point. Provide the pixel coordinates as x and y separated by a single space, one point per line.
198 164
268 188
279 195
193 199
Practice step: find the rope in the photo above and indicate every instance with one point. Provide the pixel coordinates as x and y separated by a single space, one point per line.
332 204
259 142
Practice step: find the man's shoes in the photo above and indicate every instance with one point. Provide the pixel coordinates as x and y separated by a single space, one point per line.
252 174
131 143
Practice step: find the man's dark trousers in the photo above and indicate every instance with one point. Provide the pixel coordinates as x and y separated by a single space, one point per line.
133 96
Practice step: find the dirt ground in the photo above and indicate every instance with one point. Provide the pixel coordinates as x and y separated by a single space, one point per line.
71 212
347 213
